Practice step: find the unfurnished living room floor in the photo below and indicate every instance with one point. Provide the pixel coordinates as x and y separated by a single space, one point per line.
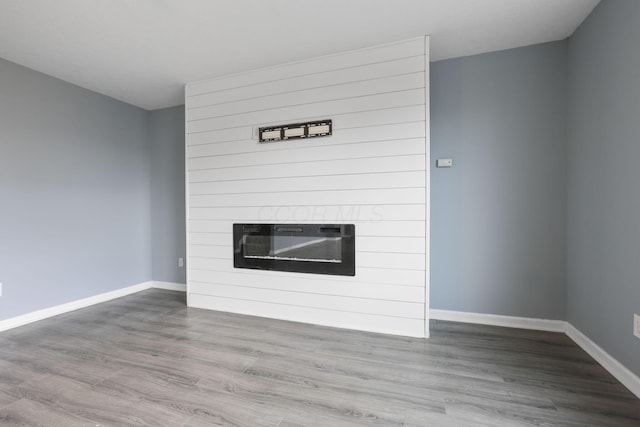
146 359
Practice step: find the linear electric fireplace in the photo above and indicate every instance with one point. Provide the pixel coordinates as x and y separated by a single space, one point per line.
302 248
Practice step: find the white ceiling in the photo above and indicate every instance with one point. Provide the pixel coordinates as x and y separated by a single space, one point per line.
144 51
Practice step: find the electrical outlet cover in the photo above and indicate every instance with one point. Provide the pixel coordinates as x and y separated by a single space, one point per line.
444 163
636 325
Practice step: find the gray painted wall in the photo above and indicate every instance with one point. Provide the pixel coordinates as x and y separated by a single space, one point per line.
498 227
83 178
168 240
604 179
74 192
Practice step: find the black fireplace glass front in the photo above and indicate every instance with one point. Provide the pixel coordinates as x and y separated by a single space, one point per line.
303 248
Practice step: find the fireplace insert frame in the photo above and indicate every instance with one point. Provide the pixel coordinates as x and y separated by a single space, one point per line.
345 233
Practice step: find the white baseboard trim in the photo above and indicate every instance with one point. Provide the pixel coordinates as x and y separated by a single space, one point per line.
615 368
171 286
35 316
499 320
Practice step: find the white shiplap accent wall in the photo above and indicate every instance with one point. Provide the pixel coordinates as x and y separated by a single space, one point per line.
371 172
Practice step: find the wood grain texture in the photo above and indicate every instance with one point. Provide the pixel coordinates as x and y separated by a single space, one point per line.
147 359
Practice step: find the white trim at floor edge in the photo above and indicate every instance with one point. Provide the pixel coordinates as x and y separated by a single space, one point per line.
171 286
615 368
608 362
499 320
35 316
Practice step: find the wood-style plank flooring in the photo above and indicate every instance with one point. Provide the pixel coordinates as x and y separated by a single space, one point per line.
146 359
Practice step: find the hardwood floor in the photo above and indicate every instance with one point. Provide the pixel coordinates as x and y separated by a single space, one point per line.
146 359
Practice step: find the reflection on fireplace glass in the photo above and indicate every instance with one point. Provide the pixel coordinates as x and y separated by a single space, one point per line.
295 248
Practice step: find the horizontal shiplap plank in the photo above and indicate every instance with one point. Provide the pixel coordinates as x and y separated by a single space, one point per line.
359 305
319 111
198 104
379 132
364 275
239 133
392 228
403 49
414 162
405 261
334 182
309 97
352 89
210 251
412 245
391 260
311 286
363 228
311 214
386 116
314 198
219 239
389 277
401 147
341 122
214 264
319 316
